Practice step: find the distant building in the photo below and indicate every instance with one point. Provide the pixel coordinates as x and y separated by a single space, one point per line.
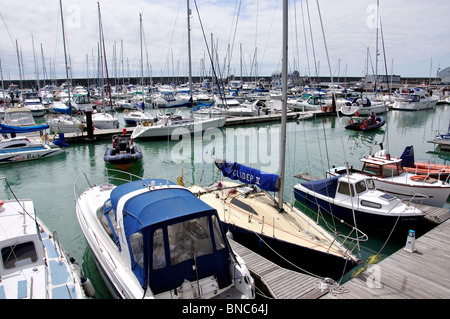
444 76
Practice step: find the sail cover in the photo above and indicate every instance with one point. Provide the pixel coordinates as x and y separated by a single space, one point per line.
245 174
408 156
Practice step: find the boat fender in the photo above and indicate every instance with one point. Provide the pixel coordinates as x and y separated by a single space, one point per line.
230 235
81 127
87 287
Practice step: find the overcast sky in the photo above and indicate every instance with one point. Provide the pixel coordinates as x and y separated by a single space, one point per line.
415 36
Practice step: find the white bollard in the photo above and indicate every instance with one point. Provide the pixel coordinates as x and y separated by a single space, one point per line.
411 241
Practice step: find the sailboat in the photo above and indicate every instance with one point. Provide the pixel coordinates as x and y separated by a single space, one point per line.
271 226
166 125
65 122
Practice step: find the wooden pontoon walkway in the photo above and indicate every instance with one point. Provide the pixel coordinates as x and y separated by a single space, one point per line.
443 143
280 282
422 274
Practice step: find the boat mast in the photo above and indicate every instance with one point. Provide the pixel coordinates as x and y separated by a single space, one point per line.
189 54
284 104
65 55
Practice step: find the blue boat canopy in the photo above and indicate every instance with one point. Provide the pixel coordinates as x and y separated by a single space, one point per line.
8 129
245 174
169 231
326 187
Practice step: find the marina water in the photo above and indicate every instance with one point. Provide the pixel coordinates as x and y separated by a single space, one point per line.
312 146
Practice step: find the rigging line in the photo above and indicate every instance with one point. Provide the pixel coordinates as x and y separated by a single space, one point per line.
234 38
306 42
268 34
316 75
207 48
337 113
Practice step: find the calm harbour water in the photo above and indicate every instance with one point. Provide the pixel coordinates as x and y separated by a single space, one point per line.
312 146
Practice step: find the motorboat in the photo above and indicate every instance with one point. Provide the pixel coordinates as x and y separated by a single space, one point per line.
66 123
355 199
32 101
167 125
123 153
19 116
134 117
413 100
105 120
361 106
287 236
22 148
34 265
154 239
170 100
390 177
366 125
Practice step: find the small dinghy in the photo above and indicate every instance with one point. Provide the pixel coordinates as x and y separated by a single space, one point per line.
122 153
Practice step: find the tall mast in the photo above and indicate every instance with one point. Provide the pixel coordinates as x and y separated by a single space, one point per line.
189 54
284 104
65 53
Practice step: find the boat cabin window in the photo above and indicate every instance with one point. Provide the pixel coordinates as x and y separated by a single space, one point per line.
370 184
108 220
159 257
360 187
188 239
344 189
19 255
220 244
137 248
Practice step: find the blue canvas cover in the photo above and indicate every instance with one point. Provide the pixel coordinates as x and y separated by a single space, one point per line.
8 129
245 174
408 156
326 187
157 210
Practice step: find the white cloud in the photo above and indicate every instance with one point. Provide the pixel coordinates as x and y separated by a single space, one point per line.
414 33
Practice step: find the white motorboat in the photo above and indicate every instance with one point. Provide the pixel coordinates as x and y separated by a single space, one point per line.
104 120
34 265
414 100
134 117
176 124
19 149
390 177
354 198
65 123
361 106
32 101
19 116
156 240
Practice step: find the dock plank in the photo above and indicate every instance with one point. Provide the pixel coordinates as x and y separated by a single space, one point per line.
281 282
422 274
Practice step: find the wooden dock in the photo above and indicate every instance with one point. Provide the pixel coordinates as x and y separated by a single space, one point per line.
422 274
102 135
434 214
281 283
443 143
